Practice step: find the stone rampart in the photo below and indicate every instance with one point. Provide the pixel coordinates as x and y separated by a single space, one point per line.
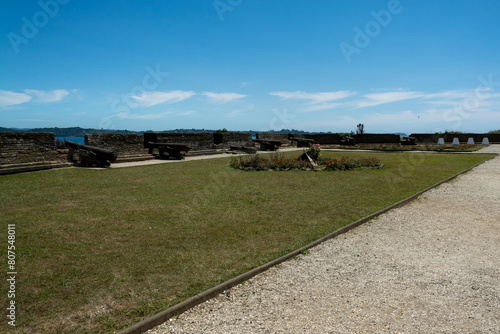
197 141
123 144
377 138
284 138
223 140
27 148
432 138
325 138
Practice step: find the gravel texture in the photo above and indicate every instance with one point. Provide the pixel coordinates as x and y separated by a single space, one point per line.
432 266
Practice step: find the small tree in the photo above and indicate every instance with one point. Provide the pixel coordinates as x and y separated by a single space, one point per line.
360 129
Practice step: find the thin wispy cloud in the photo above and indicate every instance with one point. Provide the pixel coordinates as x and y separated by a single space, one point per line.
8 98
471 98
447 98
125 115
376 99
451 94
324 106
185 113
315 98
237 112
223 97
317 101
480 92
47 96
148 99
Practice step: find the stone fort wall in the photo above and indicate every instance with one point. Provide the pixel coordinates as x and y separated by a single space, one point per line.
27 148
120 143
432 138
201 140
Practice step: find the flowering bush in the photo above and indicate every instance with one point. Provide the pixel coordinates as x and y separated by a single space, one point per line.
275 162
278 162
314 151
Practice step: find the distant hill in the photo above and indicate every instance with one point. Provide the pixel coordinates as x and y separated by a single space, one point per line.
80 132
67 132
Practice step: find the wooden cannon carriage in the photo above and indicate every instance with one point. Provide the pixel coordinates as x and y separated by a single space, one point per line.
348 141
90 155
169 150
268 145
303 142
246 149
409 141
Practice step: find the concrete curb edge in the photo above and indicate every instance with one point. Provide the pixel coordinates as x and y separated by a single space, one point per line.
159 318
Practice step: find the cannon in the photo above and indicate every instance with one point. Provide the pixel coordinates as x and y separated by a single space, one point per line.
90 155
348 141
409 141
167 150
246 149
268 145
302 142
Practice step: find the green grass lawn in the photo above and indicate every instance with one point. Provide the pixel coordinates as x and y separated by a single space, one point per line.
100 250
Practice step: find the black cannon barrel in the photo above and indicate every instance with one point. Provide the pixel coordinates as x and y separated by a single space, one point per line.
175 146
100 152
272 142
302 139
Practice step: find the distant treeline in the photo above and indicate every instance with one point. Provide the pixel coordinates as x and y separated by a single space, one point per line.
66 132
80 132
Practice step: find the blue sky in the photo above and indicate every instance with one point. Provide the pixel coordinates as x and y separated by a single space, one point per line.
325 65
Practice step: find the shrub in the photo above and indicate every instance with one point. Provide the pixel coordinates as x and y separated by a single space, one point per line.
275 161
278 162
314 151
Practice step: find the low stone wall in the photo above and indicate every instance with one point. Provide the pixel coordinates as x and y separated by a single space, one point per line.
426 138
377 138
18 148
197 141
223 140
432 138
325 138
122 144
282 137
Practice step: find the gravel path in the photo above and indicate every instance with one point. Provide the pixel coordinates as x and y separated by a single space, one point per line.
432 266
